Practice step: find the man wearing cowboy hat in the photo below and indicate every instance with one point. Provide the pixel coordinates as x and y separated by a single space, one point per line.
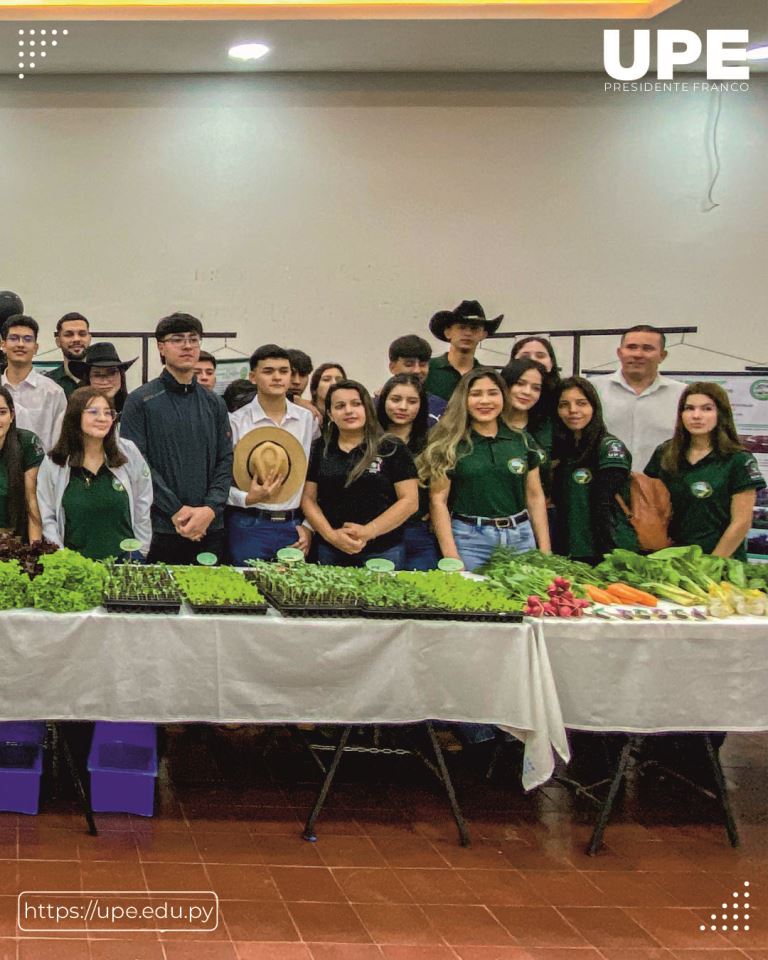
272 438
73 337
463 328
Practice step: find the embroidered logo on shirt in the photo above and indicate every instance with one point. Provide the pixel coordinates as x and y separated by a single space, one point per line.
375 466
516 466
615 449
753 469
542 455
701 489
582 476
116 485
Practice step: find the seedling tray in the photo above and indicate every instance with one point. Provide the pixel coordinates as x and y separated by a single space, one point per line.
257 609
426 613
288 609
134 605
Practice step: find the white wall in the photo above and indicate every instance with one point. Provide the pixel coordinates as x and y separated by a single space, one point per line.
335 212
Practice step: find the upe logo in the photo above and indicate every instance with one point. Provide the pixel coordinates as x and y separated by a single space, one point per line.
676 48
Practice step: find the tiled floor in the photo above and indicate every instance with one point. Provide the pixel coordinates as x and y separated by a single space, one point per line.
386 879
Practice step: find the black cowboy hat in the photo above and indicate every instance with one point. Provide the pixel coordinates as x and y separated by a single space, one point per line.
98 355
10 305
467 311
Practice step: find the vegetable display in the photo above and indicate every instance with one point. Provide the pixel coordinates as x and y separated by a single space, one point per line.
216 587
69 582
307 583
27 554
135 582
451 591
560 602
14 586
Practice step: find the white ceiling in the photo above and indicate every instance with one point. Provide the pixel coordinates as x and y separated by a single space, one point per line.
359 45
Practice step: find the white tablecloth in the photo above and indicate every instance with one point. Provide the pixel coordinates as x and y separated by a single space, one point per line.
661 676
164 669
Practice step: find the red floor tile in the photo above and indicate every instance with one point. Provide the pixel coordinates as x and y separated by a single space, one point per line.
409 851
436 886
371 885
349 852
126 950
198 950
49 875
307 883
480 853
412 952
538 927
271 951
323 922
501 887
111 875
607 927
397 924
732 954
176 876
565 888
221 848
631 889
55 949
468 924
168 848
345 951
253 920
241 881
676 927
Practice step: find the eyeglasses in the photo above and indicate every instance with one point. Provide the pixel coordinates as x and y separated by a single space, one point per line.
20 338
100 412
180 339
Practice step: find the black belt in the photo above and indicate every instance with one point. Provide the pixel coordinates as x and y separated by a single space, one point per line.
276 516
501 523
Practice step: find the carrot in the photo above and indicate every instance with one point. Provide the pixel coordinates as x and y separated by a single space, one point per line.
626 594
597 595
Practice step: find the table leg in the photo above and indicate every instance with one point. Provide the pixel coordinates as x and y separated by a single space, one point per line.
605 811
448 784
309 828
722 792
77 781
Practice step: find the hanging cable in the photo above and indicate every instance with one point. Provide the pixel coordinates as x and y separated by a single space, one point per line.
716 154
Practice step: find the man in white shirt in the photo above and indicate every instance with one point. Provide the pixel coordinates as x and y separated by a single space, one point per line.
38 401
257 532
639 405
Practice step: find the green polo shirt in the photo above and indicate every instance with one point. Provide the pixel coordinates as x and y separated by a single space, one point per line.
32 454
578 503
701 495
97 511
489 479
443 376
59 375
544 439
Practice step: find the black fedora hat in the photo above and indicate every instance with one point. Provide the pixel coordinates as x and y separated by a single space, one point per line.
468 311
98 355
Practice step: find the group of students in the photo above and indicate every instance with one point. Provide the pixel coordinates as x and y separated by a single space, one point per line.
449 459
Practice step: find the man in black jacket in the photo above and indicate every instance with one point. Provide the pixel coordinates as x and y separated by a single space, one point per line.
183 431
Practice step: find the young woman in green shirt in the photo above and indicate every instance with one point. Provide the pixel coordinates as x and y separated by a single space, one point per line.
712 480
591 466
485 489
21 453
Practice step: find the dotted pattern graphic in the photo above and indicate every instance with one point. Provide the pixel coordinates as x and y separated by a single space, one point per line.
739 918
34 43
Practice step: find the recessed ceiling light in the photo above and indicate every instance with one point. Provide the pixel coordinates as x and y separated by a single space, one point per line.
248 51
758 53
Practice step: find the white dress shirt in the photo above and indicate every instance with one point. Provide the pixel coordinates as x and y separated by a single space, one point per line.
641 420
298 421
40 404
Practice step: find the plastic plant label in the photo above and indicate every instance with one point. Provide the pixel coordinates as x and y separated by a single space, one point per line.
379 565
450 565
207 559
128 546
290 555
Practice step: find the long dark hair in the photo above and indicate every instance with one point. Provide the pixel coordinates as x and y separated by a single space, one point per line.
10 455
70 447
374 439
314 383
540 411
564 447
420 425
122 394
725 440
551 377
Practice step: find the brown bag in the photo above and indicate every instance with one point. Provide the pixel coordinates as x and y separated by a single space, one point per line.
650 511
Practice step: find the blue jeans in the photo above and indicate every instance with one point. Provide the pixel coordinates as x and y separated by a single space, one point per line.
421 551
476 544
330 556
254 538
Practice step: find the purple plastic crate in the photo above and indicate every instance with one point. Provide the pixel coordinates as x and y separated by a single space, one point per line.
21 765
123 767
22 731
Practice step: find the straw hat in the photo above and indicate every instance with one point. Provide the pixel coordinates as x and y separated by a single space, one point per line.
268 450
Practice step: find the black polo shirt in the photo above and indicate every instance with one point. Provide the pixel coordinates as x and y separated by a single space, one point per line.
370 495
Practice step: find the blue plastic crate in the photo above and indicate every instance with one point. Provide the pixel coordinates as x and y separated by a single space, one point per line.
123 767
21 766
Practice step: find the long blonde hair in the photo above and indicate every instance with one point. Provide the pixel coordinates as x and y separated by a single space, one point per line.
453 431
